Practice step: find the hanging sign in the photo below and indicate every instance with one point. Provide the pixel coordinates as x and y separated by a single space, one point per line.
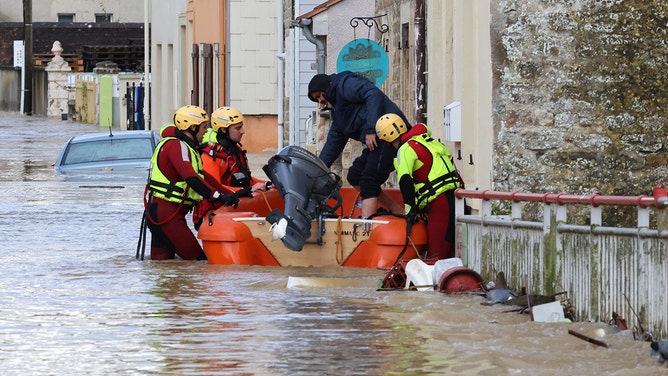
366 57
18 53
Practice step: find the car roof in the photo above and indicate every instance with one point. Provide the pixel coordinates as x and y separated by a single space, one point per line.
117 135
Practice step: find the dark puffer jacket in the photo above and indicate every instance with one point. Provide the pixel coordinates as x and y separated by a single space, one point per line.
357 105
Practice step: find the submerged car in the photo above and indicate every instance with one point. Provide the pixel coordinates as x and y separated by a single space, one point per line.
126 153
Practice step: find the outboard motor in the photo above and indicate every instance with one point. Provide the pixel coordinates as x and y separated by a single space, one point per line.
306 185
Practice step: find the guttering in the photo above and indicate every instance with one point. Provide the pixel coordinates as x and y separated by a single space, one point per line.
280 67
305 24
147 66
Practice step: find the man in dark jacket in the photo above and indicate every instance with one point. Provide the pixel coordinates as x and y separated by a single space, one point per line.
356 105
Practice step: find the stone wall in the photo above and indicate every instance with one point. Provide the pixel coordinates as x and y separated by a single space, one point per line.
580 102
400 83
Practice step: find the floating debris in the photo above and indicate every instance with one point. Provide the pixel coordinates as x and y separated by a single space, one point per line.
496 296
548 312
499 293
587 338
639 332
618 321
660 348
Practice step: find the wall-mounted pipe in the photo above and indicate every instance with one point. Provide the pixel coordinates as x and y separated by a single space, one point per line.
280 68
305 25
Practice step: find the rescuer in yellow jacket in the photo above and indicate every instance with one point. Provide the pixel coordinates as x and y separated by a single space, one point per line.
427 179
176 183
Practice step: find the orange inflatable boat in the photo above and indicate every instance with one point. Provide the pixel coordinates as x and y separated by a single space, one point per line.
307 219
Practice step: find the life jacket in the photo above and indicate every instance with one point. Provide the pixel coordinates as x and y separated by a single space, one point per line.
236 172
178 192
442 175
209 137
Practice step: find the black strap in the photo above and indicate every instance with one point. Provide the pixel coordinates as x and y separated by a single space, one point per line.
432 186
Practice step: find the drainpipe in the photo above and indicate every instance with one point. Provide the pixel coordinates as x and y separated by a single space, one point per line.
305 24
147 67
420 74
27 69
228 55
280 67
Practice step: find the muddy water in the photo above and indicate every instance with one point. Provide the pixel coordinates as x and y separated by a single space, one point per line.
73 300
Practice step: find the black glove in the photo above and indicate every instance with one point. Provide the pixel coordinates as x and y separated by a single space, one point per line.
244 192
228 200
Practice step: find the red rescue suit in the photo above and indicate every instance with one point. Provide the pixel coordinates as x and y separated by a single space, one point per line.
170 232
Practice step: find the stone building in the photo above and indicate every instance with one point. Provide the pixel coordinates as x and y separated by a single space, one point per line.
555 96
579 96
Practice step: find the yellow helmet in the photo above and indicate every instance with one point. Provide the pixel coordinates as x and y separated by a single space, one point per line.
390 126
224 117
189 115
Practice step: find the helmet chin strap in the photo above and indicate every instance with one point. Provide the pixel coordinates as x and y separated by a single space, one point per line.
226 142
222 134
194 132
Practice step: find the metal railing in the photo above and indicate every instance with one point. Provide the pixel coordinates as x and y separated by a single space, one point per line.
604 270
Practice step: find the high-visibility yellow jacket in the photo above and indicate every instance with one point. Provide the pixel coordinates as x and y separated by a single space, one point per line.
174 191
424 168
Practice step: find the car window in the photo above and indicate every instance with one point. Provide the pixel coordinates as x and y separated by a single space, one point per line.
109 150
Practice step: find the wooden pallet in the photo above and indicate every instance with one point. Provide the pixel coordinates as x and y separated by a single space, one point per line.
74 60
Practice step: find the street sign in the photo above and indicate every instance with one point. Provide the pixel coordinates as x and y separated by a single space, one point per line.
19 53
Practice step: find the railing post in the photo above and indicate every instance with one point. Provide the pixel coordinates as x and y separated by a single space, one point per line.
643 217
596 214
597 265
516 210
486 208
459 207
562 213
547 218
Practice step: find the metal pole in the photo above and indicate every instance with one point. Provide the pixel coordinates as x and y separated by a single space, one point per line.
27 57
147 66
23 75
280 67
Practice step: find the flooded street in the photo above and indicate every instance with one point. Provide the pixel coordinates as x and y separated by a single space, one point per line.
74 300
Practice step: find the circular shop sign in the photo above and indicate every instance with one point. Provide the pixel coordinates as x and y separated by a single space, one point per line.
365 57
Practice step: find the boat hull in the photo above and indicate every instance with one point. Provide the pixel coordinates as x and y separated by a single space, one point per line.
243 237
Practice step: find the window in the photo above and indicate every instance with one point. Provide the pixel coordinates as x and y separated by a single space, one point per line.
103 17
65 17
109 150
404 36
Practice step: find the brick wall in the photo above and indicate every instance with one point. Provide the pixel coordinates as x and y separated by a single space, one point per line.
75 38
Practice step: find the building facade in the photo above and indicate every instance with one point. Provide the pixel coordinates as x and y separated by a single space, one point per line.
68 11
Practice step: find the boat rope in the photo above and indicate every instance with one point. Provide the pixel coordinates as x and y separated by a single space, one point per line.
409 228
169 218
147 204
339 241
141 243
352 208
266 201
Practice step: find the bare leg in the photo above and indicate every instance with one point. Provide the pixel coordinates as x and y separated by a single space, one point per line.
369 206
386 201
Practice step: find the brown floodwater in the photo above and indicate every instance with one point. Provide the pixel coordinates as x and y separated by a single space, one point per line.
74 300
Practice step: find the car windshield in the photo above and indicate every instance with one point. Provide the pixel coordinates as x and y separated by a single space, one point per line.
109 150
